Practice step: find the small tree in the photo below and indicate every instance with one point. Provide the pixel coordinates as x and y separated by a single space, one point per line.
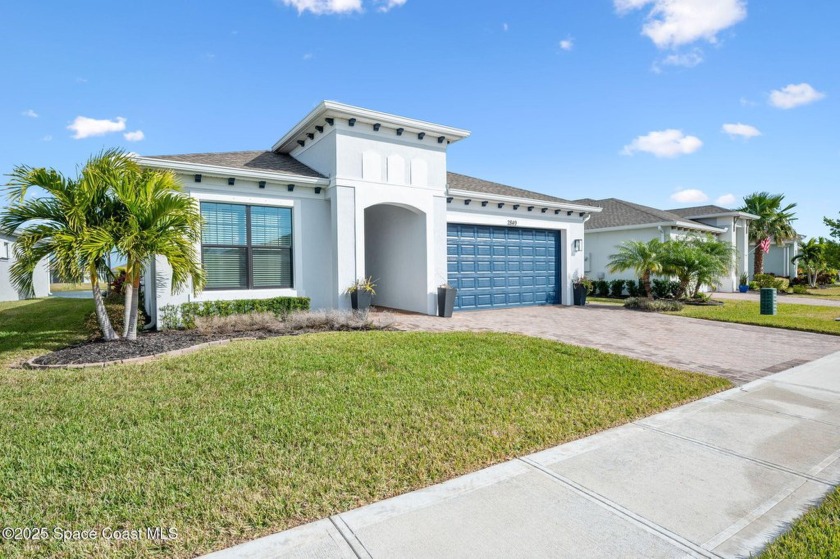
696 261
59 225
155 219
643 258
812 259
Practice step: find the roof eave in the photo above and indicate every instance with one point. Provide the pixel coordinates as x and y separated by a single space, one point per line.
682 224
221 171
340 110
743 215
522 201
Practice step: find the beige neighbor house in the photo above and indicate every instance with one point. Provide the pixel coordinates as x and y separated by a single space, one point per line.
622 221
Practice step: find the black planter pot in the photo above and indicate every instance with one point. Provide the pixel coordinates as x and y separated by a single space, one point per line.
360 300
446 301
580 295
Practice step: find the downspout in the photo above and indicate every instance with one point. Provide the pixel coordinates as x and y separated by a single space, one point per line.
661 234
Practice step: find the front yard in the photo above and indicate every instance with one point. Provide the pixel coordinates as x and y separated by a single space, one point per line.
236 442
808 318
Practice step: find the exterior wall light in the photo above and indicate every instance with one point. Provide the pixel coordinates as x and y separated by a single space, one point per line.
577 245
198 178
291 187
261 184
376 127
352 122
231 181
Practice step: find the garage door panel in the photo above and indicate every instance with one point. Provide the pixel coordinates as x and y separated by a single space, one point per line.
502 266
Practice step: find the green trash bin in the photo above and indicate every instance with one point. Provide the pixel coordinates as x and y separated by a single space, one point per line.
768 301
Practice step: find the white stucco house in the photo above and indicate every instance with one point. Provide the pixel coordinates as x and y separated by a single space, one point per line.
40 279
350 192
778 261
622 221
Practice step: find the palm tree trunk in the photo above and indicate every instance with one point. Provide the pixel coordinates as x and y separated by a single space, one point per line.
127 290
646 283
135 302
102 317
758 267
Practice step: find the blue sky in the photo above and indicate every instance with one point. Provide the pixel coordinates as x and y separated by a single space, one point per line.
623 98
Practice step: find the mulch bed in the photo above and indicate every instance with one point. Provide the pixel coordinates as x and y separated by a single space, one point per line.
148 343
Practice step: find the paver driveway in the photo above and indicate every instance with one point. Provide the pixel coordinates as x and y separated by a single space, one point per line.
739 352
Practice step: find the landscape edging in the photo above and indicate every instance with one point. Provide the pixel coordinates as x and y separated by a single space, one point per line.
30 364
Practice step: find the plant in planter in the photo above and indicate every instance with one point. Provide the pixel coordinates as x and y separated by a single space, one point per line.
581 287
744 284
446 299
361 293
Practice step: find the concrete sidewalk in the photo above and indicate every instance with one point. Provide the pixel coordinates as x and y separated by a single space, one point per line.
719 477
781 299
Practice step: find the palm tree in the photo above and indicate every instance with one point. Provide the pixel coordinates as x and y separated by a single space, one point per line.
812 259
774 222
59 225
696 261
156 219
643 258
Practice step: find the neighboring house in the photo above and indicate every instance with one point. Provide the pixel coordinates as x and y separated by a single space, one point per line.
622 221
778 260
40 279
348 193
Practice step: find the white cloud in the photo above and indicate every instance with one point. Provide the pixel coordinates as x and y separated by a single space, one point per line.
388 5
672 23
29 113
85 127
744 131
689 196
686 59
308 56
567 44
747 102
47 138
319 7
726 200
135 136
664 143
794 95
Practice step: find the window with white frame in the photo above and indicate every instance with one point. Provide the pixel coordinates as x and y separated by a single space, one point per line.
246 247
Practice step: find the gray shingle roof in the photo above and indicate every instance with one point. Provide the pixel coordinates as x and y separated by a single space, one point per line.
472 184
252 160
620 213
698 211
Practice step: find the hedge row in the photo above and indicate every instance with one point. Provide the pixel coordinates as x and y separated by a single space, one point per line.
184 315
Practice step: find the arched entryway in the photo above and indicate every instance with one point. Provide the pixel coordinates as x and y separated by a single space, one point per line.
396 256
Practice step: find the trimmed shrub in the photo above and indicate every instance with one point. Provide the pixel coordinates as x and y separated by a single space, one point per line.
769 280
754 286
656 305
635 288
800 289
602 288
617 288
663 288
303 321
187 313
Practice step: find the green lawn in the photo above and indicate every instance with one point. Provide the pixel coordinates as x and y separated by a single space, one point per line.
239 441
830 293
59 287
29 328
817 534
791 316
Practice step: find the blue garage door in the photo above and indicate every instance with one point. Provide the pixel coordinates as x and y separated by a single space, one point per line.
503 266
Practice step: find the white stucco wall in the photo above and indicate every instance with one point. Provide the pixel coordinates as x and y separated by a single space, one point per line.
777 261
40 278
600 245
311 251
395 256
